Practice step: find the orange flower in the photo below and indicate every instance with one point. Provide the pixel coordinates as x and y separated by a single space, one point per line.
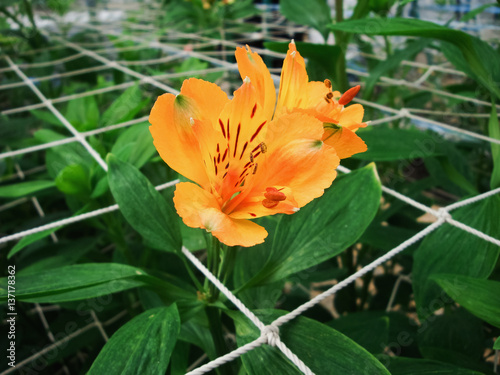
245 161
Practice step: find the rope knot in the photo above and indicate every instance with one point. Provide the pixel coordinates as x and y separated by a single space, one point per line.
272 333
443 214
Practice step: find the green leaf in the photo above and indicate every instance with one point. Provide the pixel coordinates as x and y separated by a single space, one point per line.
398 144
372 333
28 240
480 297
314 13
392 62
73 180
455 337
414 366
451 250
321 348
321 58
482 59
47 117
496 345
22 189
83 113
494 132
324 227
142 346
135 145
125 107
473 13
105 277
142 206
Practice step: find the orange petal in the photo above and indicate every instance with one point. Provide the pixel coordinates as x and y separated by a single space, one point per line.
208 98
250 65
253 207
174 139
293 82
200 209
351 117
345 142
297 158
244 126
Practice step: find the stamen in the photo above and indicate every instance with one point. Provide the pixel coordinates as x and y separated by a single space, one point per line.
255 168
328 84
263 148
329 95
349 95
269 204
274 195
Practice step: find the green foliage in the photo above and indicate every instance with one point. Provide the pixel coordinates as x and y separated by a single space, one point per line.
314 13
133 192
143 345
481 58
323 349
450 250
22 189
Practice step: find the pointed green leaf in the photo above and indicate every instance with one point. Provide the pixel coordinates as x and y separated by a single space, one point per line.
324 227
142 346
481 58
398 144
324 350
143 207
451 250
70 278
125 107
480 297
22 189
314 13
414 366
494 132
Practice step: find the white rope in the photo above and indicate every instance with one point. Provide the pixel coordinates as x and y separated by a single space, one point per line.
58 114
368 268
73 219
269 334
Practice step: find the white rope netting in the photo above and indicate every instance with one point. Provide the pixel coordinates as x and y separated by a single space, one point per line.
269 333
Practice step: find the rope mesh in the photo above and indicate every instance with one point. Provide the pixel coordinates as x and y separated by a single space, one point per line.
269 333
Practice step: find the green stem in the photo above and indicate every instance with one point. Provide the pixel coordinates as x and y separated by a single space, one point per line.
214 263
341 41
12 17
191 273
215 326
29 12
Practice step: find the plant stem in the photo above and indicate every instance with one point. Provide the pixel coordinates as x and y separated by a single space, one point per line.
215 326
191 273
340 40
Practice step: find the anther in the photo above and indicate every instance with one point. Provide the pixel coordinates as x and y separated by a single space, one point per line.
263 148
328 84
349 95
329 95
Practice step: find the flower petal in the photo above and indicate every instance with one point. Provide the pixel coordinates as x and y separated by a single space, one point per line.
351 117
174 139
293 82
199 209
208 98
345 142
250 65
